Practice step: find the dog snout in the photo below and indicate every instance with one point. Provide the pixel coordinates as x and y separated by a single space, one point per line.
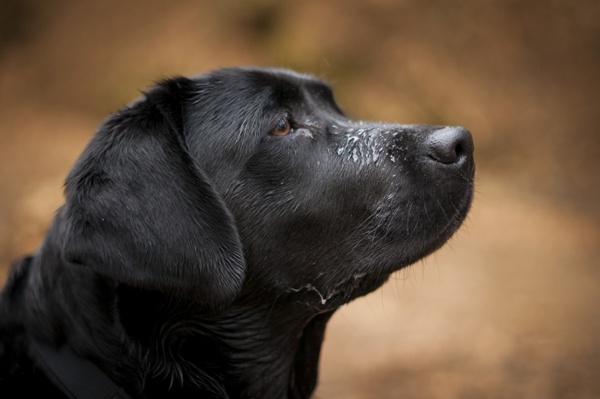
449 145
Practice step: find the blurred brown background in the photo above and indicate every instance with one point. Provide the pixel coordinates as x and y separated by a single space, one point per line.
511 307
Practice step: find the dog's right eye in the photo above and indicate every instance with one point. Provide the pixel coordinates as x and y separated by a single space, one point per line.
283 128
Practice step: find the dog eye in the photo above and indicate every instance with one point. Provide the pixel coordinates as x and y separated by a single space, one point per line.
283 128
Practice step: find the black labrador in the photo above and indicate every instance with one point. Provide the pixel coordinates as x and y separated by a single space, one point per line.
210 231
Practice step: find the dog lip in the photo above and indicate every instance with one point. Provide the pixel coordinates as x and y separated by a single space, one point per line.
455 220
445 232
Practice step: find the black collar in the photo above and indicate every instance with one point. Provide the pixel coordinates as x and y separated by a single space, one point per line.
76 376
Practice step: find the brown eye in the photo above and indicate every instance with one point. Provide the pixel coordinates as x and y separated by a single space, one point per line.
283 128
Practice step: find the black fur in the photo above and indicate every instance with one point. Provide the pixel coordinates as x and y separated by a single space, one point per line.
199 255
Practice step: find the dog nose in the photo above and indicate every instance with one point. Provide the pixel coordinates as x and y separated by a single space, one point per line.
449 145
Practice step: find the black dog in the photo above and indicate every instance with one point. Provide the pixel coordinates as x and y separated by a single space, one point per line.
211 229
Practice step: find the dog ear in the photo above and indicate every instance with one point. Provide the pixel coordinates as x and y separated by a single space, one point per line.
138 209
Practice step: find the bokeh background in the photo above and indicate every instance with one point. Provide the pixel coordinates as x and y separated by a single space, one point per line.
511 307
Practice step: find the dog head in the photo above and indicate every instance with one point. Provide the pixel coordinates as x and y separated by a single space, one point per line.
253 178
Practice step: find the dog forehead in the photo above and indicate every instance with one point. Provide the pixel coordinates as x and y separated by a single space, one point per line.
255 83
294 82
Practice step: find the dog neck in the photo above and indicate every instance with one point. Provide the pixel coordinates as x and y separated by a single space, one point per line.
253 347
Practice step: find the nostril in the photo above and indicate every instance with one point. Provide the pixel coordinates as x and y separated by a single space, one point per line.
458 150
450 144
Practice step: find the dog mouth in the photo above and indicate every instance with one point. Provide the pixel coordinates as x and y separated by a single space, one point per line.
443 233
409 230
390 252
456 220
